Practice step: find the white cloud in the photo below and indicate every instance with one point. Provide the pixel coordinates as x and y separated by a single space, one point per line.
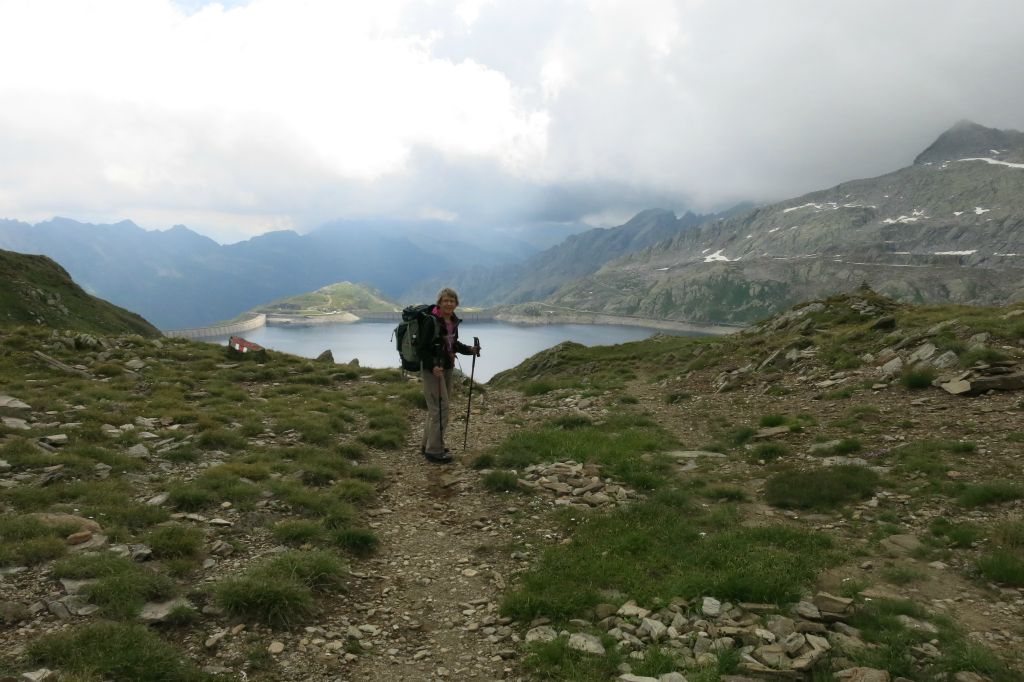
244 114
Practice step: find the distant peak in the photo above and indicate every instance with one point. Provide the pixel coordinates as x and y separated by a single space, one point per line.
968 139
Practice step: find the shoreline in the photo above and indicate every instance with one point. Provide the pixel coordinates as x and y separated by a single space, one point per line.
550 318
618 321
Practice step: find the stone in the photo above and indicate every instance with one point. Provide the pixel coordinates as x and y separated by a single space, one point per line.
326 356
138 450
630 609
275 648
40 675
780 626
672 677
793 643
543 633
901 544
711 607
863 675
159 612
772 655
891 368
956 387
630 677
79 537
831 603
917 625
946 360
586 643
15 424
806 609
12 407
654 629
59 519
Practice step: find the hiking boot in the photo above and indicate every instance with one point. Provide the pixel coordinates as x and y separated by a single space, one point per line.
439 458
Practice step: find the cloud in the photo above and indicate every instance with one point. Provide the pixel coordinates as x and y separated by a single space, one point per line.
239 117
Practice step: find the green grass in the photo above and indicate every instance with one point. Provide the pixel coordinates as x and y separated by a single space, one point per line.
664 548
27 541
501 481
916 379
115 652
279 592
298 532
902 575
820 489
959 535
893 643
767 452
122 586
1004 561
175 542
984 494
618 444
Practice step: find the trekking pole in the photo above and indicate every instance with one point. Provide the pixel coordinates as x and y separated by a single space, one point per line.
469 403
440 417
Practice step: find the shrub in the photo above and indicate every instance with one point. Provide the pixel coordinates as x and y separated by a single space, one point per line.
297 532
768 451
173 542
820 488
1003 566
770 420
501 481
115 651
984 494
918 378
279 591
359 541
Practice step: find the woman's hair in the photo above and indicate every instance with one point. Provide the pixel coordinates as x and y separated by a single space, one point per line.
447 292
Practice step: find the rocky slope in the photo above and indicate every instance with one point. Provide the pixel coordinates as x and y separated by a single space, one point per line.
947 229
36 290
427 605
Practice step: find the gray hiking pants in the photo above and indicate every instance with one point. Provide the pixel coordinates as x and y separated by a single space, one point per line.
436 392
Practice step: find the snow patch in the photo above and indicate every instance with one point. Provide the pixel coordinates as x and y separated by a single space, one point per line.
996 162
914 216
958 212
717 256
774 229
661 269
978 210
956 253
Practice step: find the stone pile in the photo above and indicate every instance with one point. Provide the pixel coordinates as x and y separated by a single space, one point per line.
575 484
769 645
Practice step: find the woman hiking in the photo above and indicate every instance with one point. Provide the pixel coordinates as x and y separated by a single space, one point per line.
438 357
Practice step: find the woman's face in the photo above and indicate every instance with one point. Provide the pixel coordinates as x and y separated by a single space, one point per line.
447 305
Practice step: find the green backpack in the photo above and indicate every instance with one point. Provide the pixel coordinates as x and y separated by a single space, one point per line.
417 330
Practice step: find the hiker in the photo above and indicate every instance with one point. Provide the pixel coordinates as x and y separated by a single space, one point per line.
438 358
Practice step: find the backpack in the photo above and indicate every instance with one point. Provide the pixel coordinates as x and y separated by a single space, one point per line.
417 330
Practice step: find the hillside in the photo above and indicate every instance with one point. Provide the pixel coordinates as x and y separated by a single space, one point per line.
34 290
340 296
577 256
798 501
950 228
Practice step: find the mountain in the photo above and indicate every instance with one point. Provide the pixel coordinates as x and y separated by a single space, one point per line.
34 290
341 296
578 256
178 278
949 228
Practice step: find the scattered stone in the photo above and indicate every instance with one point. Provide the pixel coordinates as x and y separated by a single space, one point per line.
275 648
586 643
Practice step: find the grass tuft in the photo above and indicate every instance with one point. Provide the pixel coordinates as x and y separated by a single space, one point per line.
820 489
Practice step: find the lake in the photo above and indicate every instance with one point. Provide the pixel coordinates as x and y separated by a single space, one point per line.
502 345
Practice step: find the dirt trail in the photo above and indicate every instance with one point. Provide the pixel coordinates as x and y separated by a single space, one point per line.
433 589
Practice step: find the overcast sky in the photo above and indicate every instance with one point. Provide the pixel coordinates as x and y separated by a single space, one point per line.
239 117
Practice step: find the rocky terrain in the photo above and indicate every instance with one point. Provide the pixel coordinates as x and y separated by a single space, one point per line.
925 400
945 229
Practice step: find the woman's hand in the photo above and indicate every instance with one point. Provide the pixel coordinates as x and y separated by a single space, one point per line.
438 372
